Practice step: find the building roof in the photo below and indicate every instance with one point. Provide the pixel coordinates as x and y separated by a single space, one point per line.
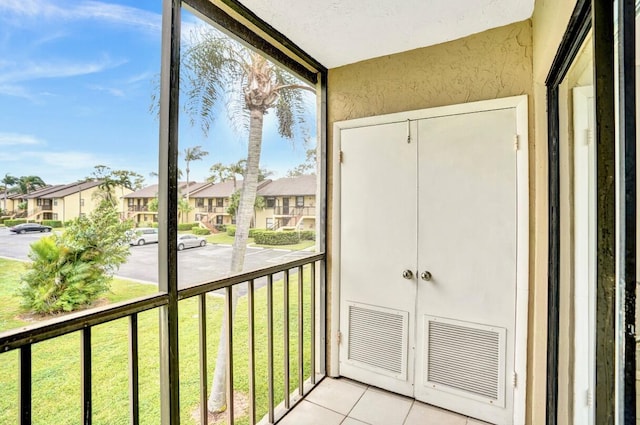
70 189
218 190
193 186
151 191
146 192
39 192
290 186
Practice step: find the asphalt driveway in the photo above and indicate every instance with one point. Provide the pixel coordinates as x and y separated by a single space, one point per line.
195 265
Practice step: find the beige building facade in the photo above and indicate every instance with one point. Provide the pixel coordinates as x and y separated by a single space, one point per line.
289 203
63 202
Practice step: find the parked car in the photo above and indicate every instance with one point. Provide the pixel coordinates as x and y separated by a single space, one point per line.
29 227
144 235
188 240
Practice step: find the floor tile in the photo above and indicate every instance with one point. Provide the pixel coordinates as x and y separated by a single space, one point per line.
351 421
423 414
471 421
381 408
306 413
339 395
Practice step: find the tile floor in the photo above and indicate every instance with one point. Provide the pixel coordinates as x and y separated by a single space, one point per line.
345 402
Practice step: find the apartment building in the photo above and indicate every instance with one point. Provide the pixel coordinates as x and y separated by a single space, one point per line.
289 203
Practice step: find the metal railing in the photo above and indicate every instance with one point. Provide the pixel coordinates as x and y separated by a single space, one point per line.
295 211
23 339
138 208
212 209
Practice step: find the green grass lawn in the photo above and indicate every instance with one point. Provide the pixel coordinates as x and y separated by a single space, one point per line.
223 238
56 363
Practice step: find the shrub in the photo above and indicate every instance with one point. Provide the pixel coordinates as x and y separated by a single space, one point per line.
52 223
308 235
252 232
72 270
221 227
187 226
14 222
197 230
269 237
231 230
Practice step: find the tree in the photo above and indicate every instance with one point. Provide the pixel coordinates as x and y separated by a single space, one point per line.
7 181
220 172
192 154
219 68
308 167
26 184
234 201
73 269
153 205
184 208
110 179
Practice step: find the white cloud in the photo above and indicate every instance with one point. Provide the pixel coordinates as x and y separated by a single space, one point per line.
82 10
15 12
17 91
145 76
12 139
111 90
12 73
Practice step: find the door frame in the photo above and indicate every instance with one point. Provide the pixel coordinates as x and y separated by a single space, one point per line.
520 103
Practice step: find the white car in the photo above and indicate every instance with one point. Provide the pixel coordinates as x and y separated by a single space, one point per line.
144 235
188 240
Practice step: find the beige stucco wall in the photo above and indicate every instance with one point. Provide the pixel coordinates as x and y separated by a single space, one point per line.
493 64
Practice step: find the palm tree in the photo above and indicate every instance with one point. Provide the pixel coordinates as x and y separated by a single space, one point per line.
193 154
110 179
7 181
219 68
27 184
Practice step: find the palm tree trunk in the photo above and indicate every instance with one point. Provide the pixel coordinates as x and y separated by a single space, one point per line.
217 398
249 190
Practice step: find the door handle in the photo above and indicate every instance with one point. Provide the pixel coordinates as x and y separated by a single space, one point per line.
407 274
425 275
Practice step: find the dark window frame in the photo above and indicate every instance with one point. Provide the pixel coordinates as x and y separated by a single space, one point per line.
599 15
289 56
270 202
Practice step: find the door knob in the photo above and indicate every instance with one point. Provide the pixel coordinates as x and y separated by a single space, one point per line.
425 275
407 274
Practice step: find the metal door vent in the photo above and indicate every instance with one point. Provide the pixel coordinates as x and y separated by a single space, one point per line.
465 358
378 339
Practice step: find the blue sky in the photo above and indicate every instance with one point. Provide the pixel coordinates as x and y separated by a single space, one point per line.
76 80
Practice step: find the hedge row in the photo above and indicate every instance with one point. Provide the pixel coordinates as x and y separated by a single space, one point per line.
197 230
14 222
52 223
269 237
307 235
187 226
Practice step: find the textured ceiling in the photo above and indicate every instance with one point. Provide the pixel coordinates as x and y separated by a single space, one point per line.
340 32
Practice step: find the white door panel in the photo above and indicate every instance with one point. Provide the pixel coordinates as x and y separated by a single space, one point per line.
467 241
442 191
378 242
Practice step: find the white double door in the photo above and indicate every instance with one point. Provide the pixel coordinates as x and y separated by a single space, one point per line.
429 258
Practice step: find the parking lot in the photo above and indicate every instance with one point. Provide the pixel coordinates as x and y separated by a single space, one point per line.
195 265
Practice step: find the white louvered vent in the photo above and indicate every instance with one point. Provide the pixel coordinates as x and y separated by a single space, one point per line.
378 339
465 357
